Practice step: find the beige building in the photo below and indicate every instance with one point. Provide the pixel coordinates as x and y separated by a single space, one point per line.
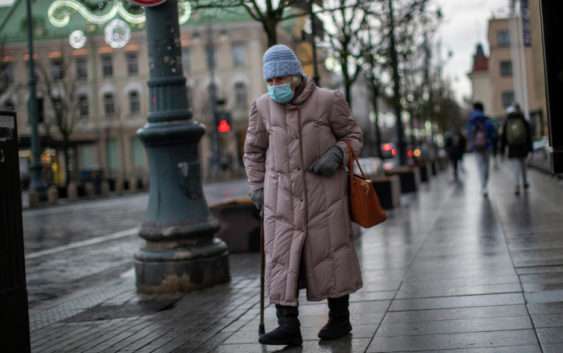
513 70
111 87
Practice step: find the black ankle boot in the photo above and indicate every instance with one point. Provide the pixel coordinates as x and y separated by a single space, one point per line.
288 333
338 319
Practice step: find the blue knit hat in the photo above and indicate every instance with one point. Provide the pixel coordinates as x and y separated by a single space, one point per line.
280 61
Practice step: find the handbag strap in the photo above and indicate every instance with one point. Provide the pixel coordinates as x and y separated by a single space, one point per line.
351 158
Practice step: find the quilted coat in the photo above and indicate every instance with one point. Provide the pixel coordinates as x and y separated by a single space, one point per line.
307 227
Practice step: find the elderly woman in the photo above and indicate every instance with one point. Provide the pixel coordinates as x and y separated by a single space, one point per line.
295 151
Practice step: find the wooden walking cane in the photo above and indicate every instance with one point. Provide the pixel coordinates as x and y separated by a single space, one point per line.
261 329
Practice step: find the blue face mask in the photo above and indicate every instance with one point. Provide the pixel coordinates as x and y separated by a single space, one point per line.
281 93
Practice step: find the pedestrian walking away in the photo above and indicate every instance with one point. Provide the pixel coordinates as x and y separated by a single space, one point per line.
455 147
294 155
517 139
482 135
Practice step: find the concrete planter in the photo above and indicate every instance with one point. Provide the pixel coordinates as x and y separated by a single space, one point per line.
409 178
388 188
239 225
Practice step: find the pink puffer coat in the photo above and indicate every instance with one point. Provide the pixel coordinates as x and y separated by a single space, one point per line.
306 219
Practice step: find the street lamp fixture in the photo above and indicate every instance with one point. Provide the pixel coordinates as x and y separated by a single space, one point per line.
181 252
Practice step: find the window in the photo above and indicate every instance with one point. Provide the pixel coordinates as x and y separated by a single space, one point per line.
109 104
138 154
134 102
186 64
83 108
113 156
507 98
241 96
506 68
503 38
7 72
132 64
81 68
239 54
107 65
57 71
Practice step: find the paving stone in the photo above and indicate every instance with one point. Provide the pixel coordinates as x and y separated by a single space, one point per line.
512 349
452 341
456 302
338 346
412 327
550 335
501 311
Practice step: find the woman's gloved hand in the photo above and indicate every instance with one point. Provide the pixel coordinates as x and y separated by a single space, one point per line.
329 162
257 196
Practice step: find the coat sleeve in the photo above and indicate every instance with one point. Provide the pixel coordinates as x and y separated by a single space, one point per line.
344 127
255 147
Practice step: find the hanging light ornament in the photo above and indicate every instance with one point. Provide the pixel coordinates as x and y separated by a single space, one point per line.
117 33
61 11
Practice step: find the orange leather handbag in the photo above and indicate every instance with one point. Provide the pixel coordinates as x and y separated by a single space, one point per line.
365 208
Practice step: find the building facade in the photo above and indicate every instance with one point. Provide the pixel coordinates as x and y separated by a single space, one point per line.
513 71
104 83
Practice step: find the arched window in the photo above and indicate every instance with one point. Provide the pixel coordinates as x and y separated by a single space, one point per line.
134 102
241 95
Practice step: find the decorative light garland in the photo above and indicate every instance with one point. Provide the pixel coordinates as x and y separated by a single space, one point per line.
60 12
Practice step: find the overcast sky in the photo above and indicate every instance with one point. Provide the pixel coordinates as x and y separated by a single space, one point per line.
465 24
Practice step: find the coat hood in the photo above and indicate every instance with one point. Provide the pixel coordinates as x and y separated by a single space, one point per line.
305 93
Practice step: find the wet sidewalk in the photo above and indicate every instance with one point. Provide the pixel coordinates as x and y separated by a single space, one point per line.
448 272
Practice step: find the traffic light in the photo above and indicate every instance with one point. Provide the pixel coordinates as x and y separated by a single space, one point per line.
224 123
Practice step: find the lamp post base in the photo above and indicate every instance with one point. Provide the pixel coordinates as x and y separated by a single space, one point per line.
172 267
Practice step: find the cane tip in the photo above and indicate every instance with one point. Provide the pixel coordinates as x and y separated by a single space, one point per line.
261 330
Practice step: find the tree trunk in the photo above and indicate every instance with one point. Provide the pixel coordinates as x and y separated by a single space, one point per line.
412 126
66 155
270 27
347 83
375 105
396 87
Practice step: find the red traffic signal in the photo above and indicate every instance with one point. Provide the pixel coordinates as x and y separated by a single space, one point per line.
147 3
224 126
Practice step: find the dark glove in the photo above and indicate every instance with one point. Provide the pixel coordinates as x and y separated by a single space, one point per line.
257 196
329 162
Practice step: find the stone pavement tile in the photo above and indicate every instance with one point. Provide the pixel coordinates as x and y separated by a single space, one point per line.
500 311
439 290
345 345
456 302
453 341
547 296
461 282
412 327
250 334
544 257
512 349
550 335
539 270
552 348
416 274
547 320
546 308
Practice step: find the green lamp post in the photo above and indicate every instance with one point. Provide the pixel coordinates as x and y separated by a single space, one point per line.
181 252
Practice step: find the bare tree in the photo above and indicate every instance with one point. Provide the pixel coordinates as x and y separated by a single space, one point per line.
269 13
59 88
346 25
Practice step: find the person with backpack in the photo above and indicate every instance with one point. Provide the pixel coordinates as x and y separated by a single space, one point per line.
482 134
517 138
